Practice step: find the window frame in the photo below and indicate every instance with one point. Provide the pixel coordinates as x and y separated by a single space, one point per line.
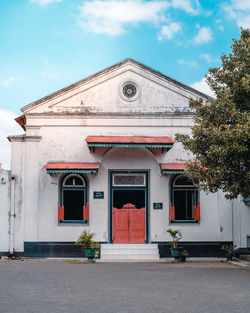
128 175
63 187
186 188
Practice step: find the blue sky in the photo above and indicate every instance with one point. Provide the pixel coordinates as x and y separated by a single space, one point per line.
49 44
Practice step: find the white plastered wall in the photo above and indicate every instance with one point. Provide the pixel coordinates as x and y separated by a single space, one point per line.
67 144
4 210
18 167
241 222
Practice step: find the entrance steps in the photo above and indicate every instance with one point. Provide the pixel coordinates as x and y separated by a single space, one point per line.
126 252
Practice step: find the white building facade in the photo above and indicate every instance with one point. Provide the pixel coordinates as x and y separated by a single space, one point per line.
100 155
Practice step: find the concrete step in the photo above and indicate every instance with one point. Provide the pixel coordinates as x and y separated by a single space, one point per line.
129 257
131 246
244 257
129 251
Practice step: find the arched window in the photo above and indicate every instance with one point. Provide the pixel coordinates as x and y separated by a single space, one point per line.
73 199
184 199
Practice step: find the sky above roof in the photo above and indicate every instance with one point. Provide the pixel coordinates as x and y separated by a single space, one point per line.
49 44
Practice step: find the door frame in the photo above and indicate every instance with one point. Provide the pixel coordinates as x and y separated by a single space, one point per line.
146 187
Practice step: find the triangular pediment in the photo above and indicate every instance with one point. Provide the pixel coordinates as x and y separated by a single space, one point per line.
105 93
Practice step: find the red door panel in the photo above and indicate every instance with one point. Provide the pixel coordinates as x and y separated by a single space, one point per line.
137 225
129 224
120 226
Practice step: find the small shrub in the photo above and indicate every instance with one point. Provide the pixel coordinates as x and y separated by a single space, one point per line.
229 251
176 236
86 240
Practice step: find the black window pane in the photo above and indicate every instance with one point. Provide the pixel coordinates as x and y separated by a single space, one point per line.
180 204
184 181
73 201
189 194
78 181
74 181
69 181
183 202
136 197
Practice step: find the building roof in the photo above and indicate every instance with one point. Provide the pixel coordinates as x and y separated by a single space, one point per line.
109 69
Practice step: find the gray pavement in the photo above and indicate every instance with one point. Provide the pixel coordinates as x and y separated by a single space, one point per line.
43 286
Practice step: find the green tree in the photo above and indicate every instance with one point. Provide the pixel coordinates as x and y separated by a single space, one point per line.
220 135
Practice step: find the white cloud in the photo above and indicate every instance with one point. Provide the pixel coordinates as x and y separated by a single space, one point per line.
184 5
204 35
44 2
188 63
207 57
112 16
8 126
241 4
167 31
202 86
6 82
238 10
219 24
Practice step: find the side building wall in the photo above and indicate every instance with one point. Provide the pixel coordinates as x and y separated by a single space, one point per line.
5 191
241 223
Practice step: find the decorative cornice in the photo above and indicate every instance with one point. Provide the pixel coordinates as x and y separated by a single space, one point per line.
83 114
21 138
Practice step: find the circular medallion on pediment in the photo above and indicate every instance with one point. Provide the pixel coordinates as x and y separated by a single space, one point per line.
129 91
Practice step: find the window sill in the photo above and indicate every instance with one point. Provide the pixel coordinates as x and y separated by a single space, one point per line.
72 222
184 222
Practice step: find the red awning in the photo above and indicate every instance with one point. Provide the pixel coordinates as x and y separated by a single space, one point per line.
102 144
129 140
172 168
62 167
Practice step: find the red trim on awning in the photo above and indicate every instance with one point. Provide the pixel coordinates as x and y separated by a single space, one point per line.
130 139
72 166
172 166
21 120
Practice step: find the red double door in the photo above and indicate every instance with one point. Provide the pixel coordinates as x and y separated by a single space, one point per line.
129 224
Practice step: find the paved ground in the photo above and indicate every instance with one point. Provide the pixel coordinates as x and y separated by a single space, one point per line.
42 286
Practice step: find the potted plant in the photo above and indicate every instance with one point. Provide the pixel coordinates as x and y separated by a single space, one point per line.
87 244
175 250
229 251
184 255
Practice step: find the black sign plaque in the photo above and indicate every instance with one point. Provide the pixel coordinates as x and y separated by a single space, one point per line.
98 194
158 205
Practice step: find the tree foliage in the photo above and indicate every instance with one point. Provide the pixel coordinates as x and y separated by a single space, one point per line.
220 135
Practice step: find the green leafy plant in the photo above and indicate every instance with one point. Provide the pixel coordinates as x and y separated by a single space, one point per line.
221 132
184 253
86 240
176 236
229 251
